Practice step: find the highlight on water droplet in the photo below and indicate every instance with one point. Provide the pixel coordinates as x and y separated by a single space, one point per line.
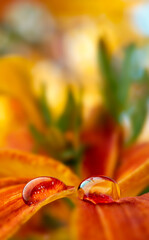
99 189
41 188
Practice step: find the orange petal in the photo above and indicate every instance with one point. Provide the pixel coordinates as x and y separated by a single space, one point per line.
14 129
16 81
127 219
101 151
19 138
11 181
14 212
20 164
133 174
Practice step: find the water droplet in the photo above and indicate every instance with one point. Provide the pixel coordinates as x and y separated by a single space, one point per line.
100 189
40 188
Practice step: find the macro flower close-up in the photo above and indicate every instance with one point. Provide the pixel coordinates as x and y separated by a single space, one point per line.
74 120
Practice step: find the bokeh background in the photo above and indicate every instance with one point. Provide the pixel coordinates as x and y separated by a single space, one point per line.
62 38
57 59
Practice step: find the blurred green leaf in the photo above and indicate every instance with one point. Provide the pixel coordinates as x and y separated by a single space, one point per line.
40 140
44 108
125 80
72 157
38 136
119 99
66 120
146 190
69 202
138 106
71 117
137 118
116 86
48 221
110 84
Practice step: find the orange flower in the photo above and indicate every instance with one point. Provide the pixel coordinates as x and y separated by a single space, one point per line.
102 221
126 218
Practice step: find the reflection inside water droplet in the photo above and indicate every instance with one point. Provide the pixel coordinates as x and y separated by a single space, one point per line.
40 188
100 189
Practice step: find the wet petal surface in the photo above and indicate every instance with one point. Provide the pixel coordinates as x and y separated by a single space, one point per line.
127 219
13 210
99 189
38 189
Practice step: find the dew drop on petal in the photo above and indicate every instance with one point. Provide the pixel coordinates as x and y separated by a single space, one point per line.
40 188
99 189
